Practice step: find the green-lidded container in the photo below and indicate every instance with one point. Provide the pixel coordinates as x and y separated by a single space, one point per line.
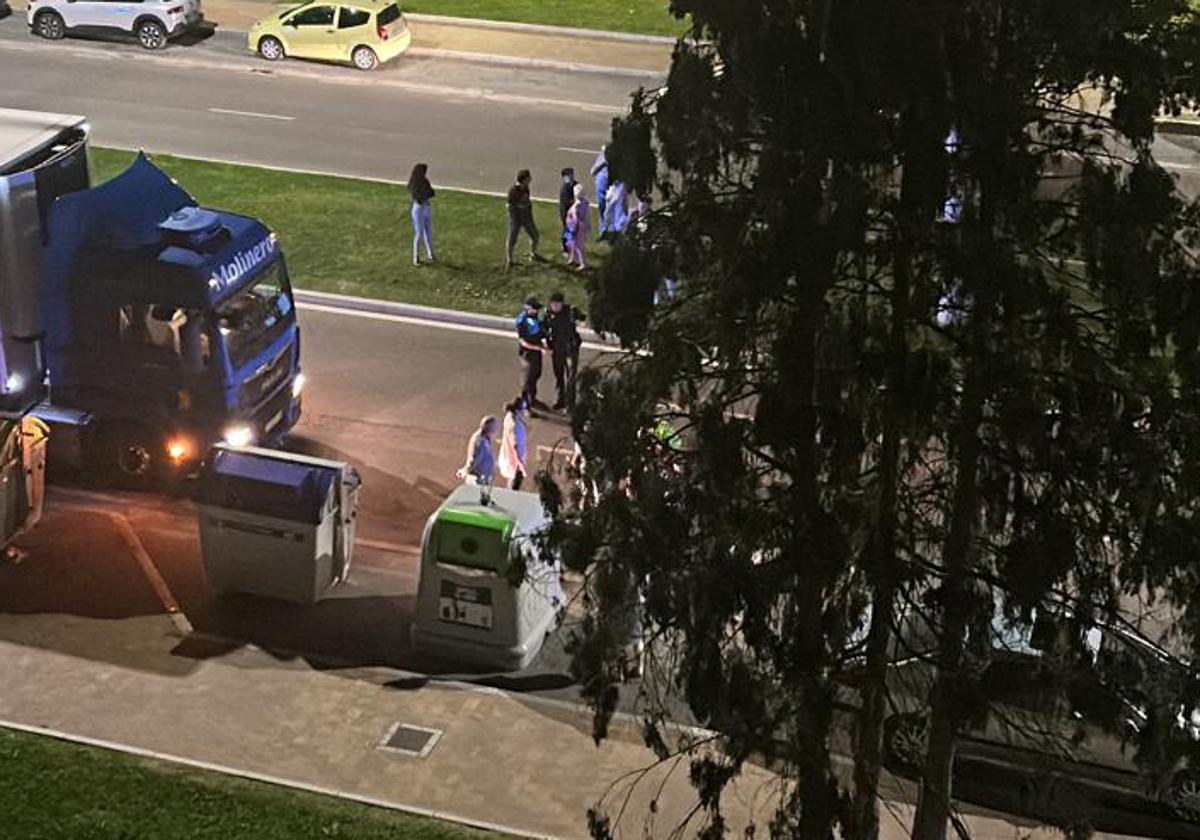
467 611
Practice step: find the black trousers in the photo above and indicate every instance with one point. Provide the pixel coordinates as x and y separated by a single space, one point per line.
531 372
566 368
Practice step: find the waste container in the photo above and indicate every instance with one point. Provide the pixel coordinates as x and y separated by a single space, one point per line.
22 475
276 524
467 610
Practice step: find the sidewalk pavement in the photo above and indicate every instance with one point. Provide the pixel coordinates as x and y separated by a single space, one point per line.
92 649
520 765
503 43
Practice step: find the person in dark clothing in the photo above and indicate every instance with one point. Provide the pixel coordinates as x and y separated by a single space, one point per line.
563 335
422 216
520 218
566 198
531 344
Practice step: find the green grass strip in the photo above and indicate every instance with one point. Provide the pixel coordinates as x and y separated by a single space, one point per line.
54 790
354 237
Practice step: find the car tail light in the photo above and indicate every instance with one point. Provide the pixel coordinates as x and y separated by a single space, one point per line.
383 32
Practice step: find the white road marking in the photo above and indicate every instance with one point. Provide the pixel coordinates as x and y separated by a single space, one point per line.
421 322
169 603
251 114
580 151
350 77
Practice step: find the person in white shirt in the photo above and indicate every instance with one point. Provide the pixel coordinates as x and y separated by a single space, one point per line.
512 444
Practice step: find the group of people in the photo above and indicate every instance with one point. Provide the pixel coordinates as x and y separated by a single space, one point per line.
574 212
555 333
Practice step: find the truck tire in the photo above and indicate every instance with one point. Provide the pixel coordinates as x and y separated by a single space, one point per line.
49 25
130 456
151 34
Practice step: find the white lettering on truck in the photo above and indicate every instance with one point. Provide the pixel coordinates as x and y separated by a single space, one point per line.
242 263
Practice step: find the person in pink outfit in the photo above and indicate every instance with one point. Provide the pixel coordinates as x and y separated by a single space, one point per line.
579 228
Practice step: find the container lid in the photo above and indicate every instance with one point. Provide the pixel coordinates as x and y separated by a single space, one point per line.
268 486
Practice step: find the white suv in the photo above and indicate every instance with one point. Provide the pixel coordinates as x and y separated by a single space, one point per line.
152 22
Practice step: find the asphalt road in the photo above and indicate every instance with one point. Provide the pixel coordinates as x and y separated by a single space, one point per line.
474 123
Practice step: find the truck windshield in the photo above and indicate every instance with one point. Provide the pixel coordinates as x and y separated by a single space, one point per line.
254 317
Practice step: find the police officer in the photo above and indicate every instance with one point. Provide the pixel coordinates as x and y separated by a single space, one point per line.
531 344
563 335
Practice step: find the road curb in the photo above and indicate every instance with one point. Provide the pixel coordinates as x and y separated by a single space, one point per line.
532 63
430 314
542 29
266 778
1178 126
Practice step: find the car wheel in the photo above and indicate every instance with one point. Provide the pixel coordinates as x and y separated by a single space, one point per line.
906 740
270 48
1184 795
364 58
151 35
49 25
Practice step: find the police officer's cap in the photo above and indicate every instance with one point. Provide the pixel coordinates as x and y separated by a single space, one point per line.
532 302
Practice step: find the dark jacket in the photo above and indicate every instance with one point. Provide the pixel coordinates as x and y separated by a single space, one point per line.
421 190
561 330
566 197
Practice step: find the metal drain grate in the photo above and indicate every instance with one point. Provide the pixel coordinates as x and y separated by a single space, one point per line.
410 740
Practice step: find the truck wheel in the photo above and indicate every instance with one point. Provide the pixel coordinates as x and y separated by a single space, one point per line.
270 48
49 25
151 35
364 58
130 456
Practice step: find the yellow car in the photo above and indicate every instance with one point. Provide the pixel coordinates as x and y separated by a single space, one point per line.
365 33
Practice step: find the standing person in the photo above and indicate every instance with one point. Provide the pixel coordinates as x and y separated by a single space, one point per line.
422 215
520 218
512 444
481 462
579 227
566 197
531 344
600 174
563 334
616 212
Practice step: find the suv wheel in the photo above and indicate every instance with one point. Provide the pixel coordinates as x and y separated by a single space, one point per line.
151 35
906 740
270 48
49 25
364 58
1184 795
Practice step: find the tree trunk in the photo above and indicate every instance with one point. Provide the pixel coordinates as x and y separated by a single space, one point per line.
933 806
920 188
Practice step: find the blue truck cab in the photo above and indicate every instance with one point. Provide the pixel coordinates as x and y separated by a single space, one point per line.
168 327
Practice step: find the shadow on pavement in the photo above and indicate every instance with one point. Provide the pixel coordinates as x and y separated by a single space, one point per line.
80 590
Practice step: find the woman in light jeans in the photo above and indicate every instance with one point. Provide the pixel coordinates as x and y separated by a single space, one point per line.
422 216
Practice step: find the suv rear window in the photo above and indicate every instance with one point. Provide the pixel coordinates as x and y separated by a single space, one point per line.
389 14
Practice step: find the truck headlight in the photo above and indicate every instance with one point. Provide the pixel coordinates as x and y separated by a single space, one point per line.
179 448
297 385
240 435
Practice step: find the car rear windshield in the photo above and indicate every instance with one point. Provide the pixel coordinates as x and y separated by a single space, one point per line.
389 14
